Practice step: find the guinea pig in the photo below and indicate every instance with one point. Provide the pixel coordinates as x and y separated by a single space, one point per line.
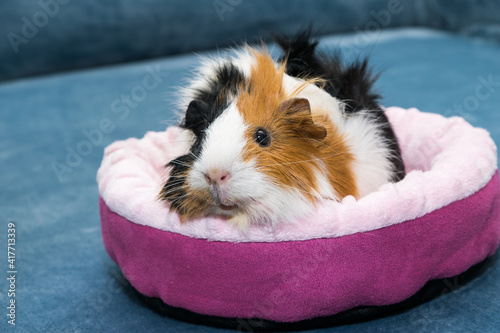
267 141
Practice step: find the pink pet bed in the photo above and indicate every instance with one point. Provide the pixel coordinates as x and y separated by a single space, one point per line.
350 261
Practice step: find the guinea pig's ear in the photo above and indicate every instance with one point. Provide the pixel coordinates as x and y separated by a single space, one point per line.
196 116
298 112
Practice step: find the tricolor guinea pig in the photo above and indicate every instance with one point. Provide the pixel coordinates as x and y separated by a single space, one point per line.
267 141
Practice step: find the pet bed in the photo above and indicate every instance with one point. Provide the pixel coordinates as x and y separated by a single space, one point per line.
350 261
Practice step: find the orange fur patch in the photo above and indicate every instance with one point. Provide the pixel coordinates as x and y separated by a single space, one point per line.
295 154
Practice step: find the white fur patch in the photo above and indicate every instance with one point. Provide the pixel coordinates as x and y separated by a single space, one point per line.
372 168
323 187
222 147
244 60
202 76
319 99
204 73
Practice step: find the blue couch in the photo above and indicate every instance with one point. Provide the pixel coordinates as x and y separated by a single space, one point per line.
73 79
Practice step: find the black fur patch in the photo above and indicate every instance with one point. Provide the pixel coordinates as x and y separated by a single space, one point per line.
212 100
174 190
352 84
207 105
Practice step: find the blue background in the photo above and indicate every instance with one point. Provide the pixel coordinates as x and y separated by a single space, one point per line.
69 76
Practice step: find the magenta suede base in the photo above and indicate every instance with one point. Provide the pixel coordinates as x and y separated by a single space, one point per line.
296 280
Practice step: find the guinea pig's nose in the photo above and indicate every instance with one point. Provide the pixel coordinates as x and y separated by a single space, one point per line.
217 177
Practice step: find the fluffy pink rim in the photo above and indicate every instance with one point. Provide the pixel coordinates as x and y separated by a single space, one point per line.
446 160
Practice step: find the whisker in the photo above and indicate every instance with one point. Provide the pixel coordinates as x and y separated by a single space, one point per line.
293 188
166 194
177 177
177 199
176 187
303 161
180 163
194 156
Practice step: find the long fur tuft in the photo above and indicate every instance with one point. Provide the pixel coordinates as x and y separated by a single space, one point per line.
352 84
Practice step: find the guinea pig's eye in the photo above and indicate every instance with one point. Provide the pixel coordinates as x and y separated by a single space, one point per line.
262 137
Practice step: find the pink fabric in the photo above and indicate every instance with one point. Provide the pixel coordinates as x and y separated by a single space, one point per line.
295 280
446 159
